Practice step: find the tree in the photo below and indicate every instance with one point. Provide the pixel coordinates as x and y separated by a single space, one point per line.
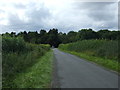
104 34
63 38
53 38
87 34
43 36
32 37
13 34
72 36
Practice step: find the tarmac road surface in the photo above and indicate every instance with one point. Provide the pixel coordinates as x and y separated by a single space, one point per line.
73 72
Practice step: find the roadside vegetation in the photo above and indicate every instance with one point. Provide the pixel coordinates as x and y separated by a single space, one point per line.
27 58
37 76
103 52
17 57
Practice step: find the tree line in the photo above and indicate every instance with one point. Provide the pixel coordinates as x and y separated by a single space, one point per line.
54 38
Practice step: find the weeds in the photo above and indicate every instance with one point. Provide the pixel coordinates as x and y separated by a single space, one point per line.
17 56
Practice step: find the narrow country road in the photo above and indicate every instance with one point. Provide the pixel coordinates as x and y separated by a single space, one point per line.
73 72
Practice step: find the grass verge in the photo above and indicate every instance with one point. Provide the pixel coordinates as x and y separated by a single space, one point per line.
37 76
110 64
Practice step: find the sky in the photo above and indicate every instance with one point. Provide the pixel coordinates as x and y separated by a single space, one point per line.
65 15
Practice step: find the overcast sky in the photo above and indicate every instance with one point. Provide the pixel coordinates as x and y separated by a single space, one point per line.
65 15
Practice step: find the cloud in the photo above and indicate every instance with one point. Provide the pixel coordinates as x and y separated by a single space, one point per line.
102 14
44 14
19 6
30 17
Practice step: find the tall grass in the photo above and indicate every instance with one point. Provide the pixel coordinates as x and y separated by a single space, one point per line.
37 76
102 48
17 56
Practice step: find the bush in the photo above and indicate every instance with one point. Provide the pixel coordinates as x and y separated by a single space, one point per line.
12 44
18 56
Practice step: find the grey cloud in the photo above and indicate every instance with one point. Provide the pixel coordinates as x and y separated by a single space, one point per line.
36 18
98 10
105 12
14 20
100 15
92 5
19 6
37 15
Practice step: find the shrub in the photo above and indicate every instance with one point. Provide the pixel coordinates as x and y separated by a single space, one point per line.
18 56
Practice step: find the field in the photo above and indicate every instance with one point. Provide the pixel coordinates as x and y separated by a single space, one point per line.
103 52
19 57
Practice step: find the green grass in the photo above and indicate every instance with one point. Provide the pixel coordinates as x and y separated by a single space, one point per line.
110 64
37 76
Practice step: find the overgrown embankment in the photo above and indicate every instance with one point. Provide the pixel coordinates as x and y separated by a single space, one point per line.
18 57
103 52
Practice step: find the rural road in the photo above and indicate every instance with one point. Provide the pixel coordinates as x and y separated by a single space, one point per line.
73 72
